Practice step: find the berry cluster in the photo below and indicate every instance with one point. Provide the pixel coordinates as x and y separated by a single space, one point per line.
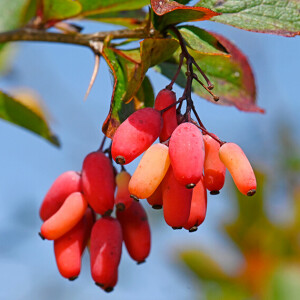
177 172
174 174
76 213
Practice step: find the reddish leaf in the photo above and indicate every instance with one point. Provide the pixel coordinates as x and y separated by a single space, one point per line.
172 12
248 81
232 76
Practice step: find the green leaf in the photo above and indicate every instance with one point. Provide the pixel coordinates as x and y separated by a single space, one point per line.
56 10
269 16
26 115
171 12
284 284
232 76
129 19
204 267
60 9
202 41
145 95
90 7
14 14
129 68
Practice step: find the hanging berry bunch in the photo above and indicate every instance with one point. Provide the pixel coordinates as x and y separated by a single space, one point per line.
99 208
173 174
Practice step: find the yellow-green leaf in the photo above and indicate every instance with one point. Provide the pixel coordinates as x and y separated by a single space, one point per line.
25 113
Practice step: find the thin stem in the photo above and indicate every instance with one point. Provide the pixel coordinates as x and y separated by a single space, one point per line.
209 84
30 34
173 104
102 144
211 135
216 98
170 86
197 116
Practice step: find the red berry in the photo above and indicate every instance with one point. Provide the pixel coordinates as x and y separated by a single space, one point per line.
176 201
136 231
69 248
164 99
64 185
214 169
68 215
136 134
105 252
198 207
123 199
155 200
186 149
98 182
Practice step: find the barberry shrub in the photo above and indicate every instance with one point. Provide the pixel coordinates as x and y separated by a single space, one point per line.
101 206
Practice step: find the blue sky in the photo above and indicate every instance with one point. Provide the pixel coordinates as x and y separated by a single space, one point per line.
60 74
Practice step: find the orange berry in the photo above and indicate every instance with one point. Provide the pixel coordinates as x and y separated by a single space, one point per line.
65 218
239 167
150 171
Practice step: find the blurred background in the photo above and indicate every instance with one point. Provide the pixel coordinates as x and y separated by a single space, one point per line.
246 248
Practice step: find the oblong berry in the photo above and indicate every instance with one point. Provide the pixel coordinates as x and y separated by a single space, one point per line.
164 99
150 171
123 199
105 252
136 134
68 248
176 201
239 167
186 149
98 182
156 200
64 185
68 215
198 207
136 231
214 169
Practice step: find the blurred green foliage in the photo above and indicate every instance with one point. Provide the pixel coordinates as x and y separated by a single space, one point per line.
271 251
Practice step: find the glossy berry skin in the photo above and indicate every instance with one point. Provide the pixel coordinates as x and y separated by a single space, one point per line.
176 201
164 99
239 167
136 134
64 185
105 252
150 171
136 231
198 207
123 199
98 182
68 249
68 215
186 150
156 200
214 169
